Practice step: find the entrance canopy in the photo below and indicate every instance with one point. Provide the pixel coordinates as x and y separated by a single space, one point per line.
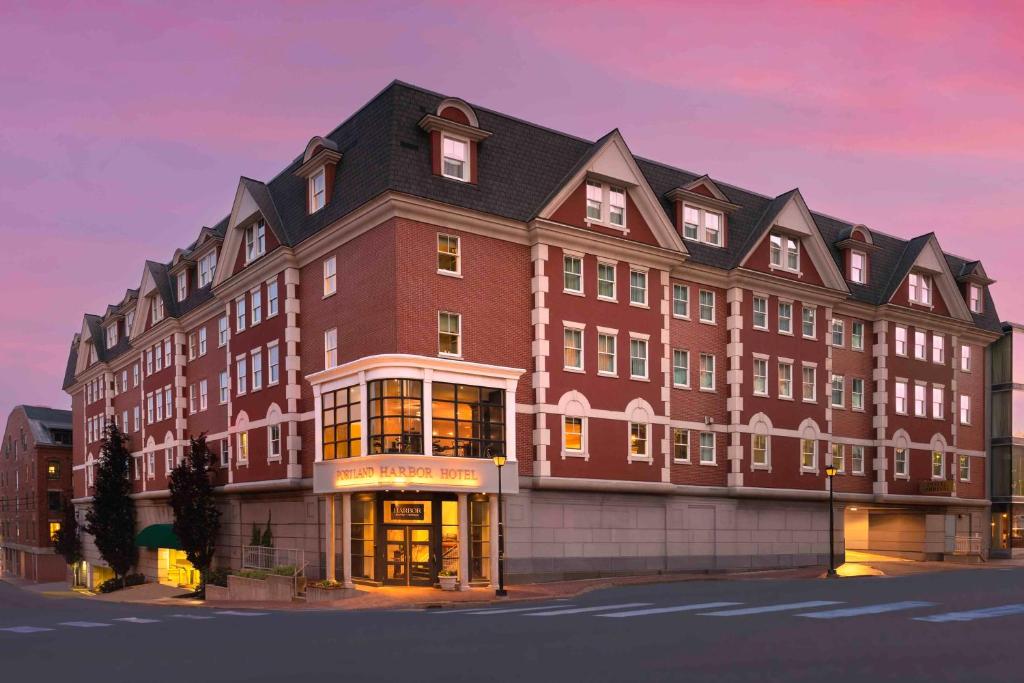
158 536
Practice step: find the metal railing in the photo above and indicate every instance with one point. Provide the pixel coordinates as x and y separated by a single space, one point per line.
262 557
967 544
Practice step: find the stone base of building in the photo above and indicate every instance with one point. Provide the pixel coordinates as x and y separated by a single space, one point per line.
40 565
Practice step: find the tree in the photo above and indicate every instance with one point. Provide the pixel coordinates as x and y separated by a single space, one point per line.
267 541
67 542
196 517
111 520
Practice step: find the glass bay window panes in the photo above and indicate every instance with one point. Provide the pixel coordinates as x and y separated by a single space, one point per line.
395 418
342 425
467 420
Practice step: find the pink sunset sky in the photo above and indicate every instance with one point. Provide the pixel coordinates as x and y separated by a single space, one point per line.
124 126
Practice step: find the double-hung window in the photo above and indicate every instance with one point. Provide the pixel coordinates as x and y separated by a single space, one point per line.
938 465
785 380
938 401
331 348
965 358
203 394
857 459
810 316
785 317
272 298
759 450
182 281
900 462
240 313
838 390
901 340
680 445
573 347
274 435
857 336
965 468
707 448
921 289
701 225
224 388
706 306
808 454
222 331
760 377
707 372
760 313
938 348
572 274
680 368
638 358
857 393
241 373
330 276
638 441
965 410
606 281
974 298
157 310
920 345
595 201
858 267
202 341
809 383
207 267
784 253
449 333
317 191
448 254
273 364
901 397
256 298
638 287
681 301
617 206
606 204
838 457
257 369
572 434
255 241
838 332
606 354
455 158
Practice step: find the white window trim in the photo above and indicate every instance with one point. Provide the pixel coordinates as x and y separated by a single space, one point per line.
764 358
931 464
566 255
333 263
863 269
606 207
714 372
614 334
779 318
274 345
906 462
672 445
753 312
320 173
647 287
786 240
895 397
614 298
714 307
569 326
863 331
767 464
714 450
814 321
571 453
778 377
814 385
863 394
906 341
444 354
467 173
458 255
688 302
702 228
842 333
280 440
863 456
676 385
646 338
842 393
646 457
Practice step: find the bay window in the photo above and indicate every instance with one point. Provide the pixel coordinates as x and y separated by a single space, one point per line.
468 421
394 419
342 423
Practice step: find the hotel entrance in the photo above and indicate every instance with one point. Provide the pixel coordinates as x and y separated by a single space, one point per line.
409 558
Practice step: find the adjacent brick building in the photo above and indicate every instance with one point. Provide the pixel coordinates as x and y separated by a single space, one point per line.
668 361
35 482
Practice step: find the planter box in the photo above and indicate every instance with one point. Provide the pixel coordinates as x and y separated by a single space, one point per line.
248 590
314 594
280 588
217 592
449 583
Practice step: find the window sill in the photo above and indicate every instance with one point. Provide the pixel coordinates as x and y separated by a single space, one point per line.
604 298
681 386
452 356
583 455
713 463
613 375
680 317
639 379
785 333
573 292
702 321
457 179
759 329
761 468
708 390
636 305
578 371
790 398
640 458
590 222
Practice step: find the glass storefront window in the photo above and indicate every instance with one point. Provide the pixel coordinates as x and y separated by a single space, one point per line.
467 420
450 535
479 539
362 536
341 423
396 415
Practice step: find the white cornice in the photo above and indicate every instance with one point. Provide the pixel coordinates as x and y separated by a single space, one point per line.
572 237
432 122
409 361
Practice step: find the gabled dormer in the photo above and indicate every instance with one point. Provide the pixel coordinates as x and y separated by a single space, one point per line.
319 164
702 211
922 280
455 137
180 272
973 283
254 229
205 254
856 245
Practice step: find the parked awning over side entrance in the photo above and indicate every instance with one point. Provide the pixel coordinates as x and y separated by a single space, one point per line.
158 536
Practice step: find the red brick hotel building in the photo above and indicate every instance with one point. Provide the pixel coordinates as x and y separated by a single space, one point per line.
668 361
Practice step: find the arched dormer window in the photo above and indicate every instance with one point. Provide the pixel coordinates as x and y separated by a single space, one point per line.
856 245
455 136
319 163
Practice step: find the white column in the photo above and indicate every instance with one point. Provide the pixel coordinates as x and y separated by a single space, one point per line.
346 539
493 526
329 535
463 541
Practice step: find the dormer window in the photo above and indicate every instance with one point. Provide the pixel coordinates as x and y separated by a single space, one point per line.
207 267
255 241
317 190
606 204
701 225
157 309
455 158
182 285
920 289
785 253
112 335
92 354
974 298
858 267
129 320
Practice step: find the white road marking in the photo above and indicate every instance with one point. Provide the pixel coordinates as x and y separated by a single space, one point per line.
137 620
190 616
25 629
517 609
83 624
667 610
771 608
867 609
232 613
989 613
581 610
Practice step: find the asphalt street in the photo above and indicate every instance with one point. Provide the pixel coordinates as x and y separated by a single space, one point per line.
947 626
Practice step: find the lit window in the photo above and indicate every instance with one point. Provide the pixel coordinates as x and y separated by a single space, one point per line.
53 469
858 261
921 289
838 458
975 299
606 281
808 454
681 301
317 191
638 358
207 268
707 448
857 336
809 318
965 468
448 255
606 354
938 348
680 368
707 371
857 393
331 348
572 434
572 274
243 447
759 450
938 465
785 380
182 286
920 400
449 333
760 313
901 397
330 276
784 253
809 383
900 462
255 241
785 317
573 356
454 158
938 400
54 530
638 287
838 382
760 377
342 423
706 308
680 445
638 442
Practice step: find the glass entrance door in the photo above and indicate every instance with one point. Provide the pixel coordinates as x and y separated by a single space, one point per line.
407 556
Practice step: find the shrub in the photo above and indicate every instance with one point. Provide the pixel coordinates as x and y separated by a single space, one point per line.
284 570
218 577
115 584
251 574
447 572
325 583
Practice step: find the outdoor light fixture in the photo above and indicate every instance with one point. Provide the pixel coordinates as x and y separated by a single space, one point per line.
500 459
830 472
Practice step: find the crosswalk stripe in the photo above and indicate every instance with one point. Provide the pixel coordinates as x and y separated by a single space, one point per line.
867 609
667 610
83 624
989 613
232 613
190 616
137 620
25 629
582 610
771 608
517 609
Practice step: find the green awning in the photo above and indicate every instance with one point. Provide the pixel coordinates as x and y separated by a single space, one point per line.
158 536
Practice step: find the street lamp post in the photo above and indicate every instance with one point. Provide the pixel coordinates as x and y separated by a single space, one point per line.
830 472
499 461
